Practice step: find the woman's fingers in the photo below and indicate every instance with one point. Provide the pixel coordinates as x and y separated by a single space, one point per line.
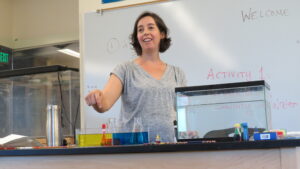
94 98
98 99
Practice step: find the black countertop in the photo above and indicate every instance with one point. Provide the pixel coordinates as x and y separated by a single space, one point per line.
35 70
152 148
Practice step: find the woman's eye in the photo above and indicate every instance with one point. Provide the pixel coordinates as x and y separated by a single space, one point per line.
140 30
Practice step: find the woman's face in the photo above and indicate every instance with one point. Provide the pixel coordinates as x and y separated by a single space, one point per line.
148 34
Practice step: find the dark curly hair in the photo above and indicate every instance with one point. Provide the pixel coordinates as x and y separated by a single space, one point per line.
164 43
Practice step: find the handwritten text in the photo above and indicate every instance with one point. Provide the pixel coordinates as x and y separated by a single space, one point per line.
252 14
240 75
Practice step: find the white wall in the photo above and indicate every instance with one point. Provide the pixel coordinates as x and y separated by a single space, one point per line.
6 23
42 22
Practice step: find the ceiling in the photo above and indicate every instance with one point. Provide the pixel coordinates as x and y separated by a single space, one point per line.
46 55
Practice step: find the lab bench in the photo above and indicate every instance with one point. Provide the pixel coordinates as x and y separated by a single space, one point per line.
277 154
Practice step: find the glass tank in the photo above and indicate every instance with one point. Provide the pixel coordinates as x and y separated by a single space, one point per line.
25 94
211 111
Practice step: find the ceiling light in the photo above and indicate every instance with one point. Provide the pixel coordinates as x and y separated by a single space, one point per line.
70 52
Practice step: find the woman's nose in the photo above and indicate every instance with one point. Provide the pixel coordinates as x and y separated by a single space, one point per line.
146 32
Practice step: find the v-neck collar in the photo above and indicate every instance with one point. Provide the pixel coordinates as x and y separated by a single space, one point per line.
148 74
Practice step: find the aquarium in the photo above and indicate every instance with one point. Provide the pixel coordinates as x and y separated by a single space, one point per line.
211 111
25 94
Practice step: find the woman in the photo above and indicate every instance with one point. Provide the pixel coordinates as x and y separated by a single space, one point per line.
146 84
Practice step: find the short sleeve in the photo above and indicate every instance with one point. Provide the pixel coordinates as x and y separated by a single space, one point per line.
180 77
120 72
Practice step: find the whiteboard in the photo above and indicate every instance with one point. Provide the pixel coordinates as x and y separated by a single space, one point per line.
213 42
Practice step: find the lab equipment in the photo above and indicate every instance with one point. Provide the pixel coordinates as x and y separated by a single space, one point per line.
209 111
53 126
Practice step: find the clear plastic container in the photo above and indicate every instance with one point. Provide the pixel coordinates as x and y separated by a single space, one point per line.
25 94
211 111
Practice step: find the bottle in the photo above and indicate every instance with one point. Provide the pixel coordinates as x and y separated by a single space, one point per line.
157 139
175 130
237 132
245 131
103 140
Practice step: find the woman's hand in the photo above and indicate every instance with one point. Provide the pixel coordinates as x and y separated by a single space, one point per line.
95 99
102 100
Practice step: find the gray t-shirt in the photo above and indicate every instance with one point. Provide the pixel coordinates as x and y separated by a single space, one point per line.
149 99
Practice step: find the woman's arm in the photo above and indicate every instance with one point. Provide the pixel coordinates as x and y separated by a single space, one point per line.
103 100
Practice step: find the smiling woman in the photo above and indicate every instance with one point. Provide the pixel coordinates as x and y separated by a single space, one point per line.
149 35
146 84
154 23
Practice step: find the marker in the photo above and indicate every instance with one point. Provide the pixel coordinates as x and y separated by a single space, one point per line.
237 132
245 131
